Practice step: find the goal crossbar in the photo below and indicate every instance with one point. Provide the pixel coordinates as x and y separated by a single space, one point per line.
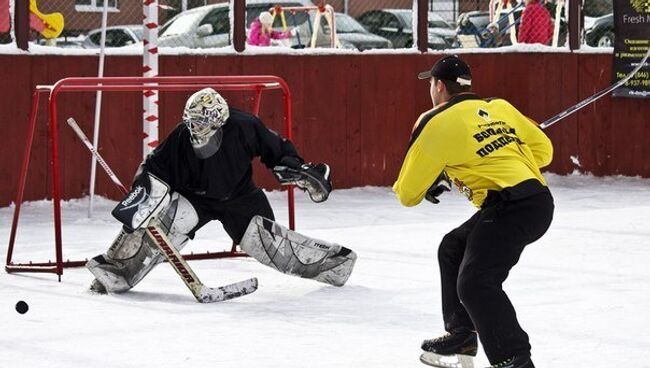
255 83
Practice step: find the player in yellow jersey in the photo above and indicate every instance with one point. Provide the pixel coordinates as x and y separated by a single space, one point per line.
493 155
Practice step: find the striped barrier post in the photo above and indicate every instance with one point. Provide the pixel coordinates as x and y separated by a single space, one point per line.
150 69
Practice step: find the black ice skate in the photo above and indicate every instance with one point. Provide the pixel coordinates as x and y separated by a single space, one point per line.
453 350
515 362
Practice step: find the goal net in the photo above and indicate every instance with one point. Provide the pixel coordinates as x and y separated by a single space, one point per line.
58 171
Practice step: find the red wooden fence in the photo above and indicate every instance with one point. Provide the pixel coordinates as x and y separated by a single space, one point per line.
354 112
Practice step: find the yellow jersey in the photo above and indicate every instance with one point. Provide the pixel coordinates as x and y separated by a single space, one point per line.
481 144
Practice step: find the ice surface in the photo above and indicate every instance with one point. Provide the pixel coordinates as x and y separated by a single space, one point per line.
581 292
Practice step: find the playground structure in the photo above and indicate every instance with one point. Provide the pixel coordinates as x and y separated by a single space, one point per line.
322 11
48 25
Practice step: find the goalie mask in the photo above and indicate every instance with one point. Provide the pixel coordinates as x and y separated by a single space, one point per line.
204 116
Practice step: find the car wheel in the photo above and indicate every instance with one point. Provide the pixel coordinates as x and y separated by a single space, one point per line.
606 40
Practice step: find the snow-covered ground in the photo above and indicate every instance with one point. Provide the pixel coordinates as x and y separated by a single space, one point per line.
581 292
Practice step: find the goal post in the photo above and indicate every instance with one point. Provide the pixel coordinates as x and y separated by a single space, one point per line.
255 83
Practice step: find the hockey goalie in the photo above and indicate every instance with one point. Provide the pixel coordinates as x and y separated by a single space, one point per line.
203 172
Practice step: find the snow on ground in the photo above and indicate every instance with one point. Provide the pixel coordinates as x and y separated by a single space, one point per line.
581 292
136 49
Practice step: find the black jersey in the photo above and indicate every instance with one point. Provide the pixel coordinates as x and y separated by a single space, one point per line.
226 174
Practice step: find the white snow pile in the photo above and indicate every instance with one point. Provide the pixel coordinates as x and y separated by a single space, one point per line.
136 49
581 292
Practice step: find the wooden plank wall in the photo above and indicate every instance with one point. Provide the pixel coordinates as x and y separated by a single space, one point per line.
354 112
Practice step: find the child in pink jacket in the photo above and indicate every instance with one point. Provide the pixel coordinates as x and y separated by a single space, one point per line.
261 32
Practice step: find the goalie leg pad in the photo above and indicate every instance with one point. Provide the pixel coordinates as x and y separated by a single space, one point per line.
130 258
295 254
119 275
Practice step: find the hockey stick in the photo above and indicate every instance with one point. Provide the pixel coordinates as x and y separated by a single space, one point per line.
73 124
202 293
595 97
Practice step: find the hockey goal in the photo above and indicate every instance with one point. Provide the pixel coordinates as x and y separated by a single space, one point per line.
256 84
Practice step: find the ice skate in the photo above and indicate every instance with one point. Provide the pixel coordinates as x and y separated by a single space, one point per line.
447 361
98 287
453 350
522 361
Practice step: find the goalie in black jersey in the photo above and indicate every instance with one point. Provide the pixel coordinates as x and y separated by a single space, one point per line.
206 163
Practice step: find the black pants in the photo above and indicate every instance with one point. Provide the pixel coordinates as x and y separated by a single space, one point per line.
475 260
234 214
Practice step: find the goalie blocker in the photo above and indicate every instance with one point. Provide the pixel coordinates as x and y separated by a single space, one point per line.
148 197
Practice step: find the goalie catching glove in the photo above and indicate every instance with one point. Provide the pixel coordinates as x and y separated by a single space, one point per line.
313 178
441 185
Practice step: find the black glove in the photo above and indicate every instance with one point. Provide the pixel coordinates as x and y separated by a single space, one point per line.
313 178
287 171
441 185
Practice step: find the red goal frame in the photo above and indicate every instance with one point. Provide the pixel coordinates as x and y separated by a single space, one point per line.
255 83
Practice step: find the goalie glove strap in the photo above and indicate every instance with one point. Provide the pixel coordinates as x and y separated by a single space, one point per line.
291 162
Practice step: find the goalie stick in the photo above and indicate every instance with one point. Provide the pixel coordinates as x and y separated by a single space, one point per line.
73 124
202 293
595 97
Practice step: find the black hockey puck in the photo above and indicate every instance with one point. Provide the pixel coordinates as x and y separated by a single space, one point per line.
22 307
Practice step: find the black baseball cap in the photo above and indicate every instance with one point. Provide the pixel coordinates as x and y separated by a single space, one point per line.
450 68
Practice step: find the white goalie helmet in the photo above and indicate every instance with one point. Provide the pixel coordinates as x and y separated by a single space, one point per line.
206 112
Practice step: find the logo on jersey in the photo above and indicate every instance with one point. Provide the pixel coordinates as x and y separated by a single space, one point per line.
503 136
484 114
467 191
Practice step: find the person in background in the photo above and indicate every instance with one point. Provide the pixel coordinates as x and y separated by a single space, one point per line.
536 24
261 32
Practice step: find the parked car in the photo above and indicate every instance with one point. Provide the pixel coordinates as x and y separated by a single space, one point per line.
205 26
73 42
397 26
476 23
600 33
116 36
352 35
209 26
597 8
